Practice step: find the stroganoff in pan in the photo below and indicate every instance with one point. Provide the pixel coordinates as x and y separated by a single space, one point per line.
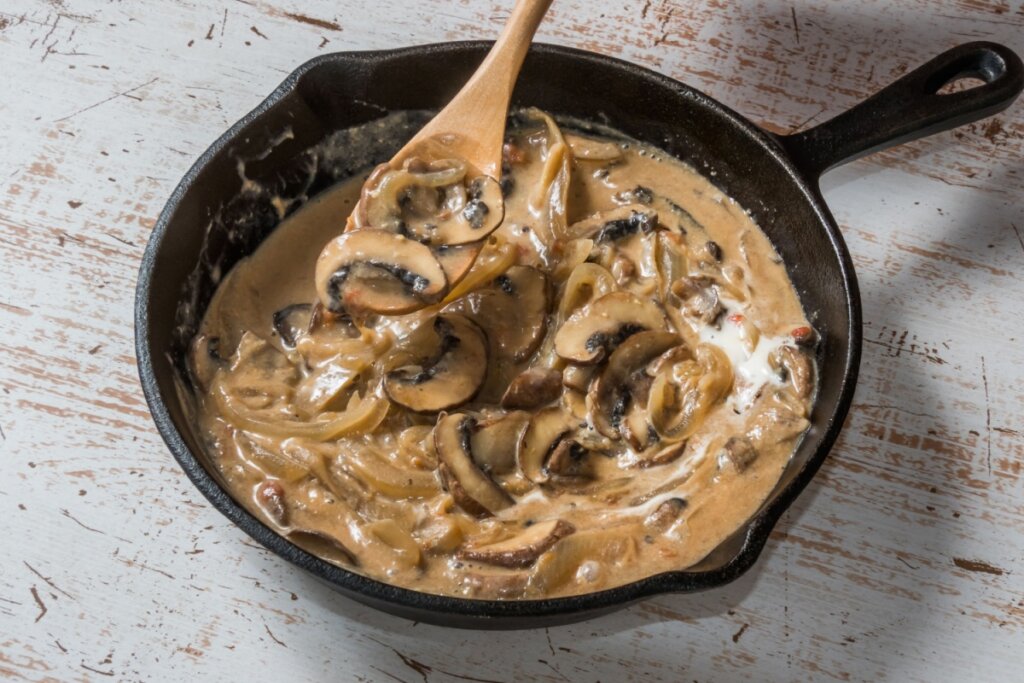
592 371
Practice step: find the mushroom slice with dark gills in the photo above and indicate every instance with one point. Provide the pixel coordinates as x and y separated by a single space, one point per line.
623 386
520 550
292 321
613 225
322 320
569 461
594 331
682 394
438 202
512 310
472 489
549 430
441 365
374 271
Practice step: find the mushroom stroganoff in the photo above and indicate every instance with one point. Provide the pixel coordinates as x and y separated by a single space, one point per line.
591 371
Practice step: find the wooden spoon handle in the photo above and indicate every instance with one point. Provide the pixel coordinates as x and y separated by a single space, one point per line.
477 113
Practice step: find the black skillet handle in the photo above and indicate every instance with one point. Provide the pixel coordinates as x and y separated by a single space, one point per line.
912 107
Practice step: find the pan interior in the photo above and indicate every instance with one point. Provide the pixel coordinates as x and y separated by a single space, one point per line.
212 220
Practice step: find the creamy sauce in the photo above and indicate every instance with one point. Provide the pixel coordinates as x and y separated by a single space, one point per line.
372 500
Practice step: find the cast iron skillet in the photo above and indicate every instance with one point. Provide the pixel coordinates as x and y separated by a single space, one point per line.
208 224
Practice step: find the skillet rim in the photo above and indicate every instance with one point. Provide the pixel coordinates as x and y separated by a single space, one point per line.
471 612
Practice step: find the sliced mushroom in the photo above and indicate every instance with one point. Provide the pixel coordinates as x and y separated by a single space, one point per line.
387 189
665 515
613 225
321 319
521 550
532 388
636 426
292 321
378 271
439 202
570 460
544 433
795 366
618 389
700 298
739 452
473 491
448 377
512 310
494 441
578 377
599 327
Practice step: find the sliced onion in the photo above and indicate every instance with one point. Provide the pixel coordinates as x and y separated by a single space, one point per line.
361 416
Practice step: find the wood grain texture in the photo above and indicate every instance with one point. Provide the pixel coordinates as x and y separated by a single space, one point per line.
903 561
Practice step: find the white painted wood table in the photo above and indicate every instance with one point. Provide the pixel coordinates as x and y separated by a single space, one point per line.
903 561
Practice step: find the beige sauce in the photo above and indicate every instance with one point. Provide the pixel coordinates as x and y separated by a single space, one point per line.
372 500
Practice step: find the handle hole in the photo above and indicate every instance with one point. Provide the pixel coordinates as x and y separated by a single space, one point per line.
960 84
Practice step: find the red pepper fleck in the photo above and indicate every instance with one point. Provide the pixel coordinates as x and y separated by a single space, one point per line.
736 318
803 335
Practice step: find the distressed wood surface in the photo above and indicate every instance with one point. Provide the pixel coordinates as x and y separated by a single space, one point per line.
903 561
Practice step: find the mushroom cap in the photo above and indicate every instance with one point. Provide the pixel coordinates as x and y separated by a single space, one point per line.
513 311
493 442
378 271
612 393
599 327
532 388
449 376
473 490
613 225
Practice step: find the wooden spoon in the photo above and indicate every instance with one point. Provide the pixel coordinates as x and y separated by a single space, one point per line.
472 125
